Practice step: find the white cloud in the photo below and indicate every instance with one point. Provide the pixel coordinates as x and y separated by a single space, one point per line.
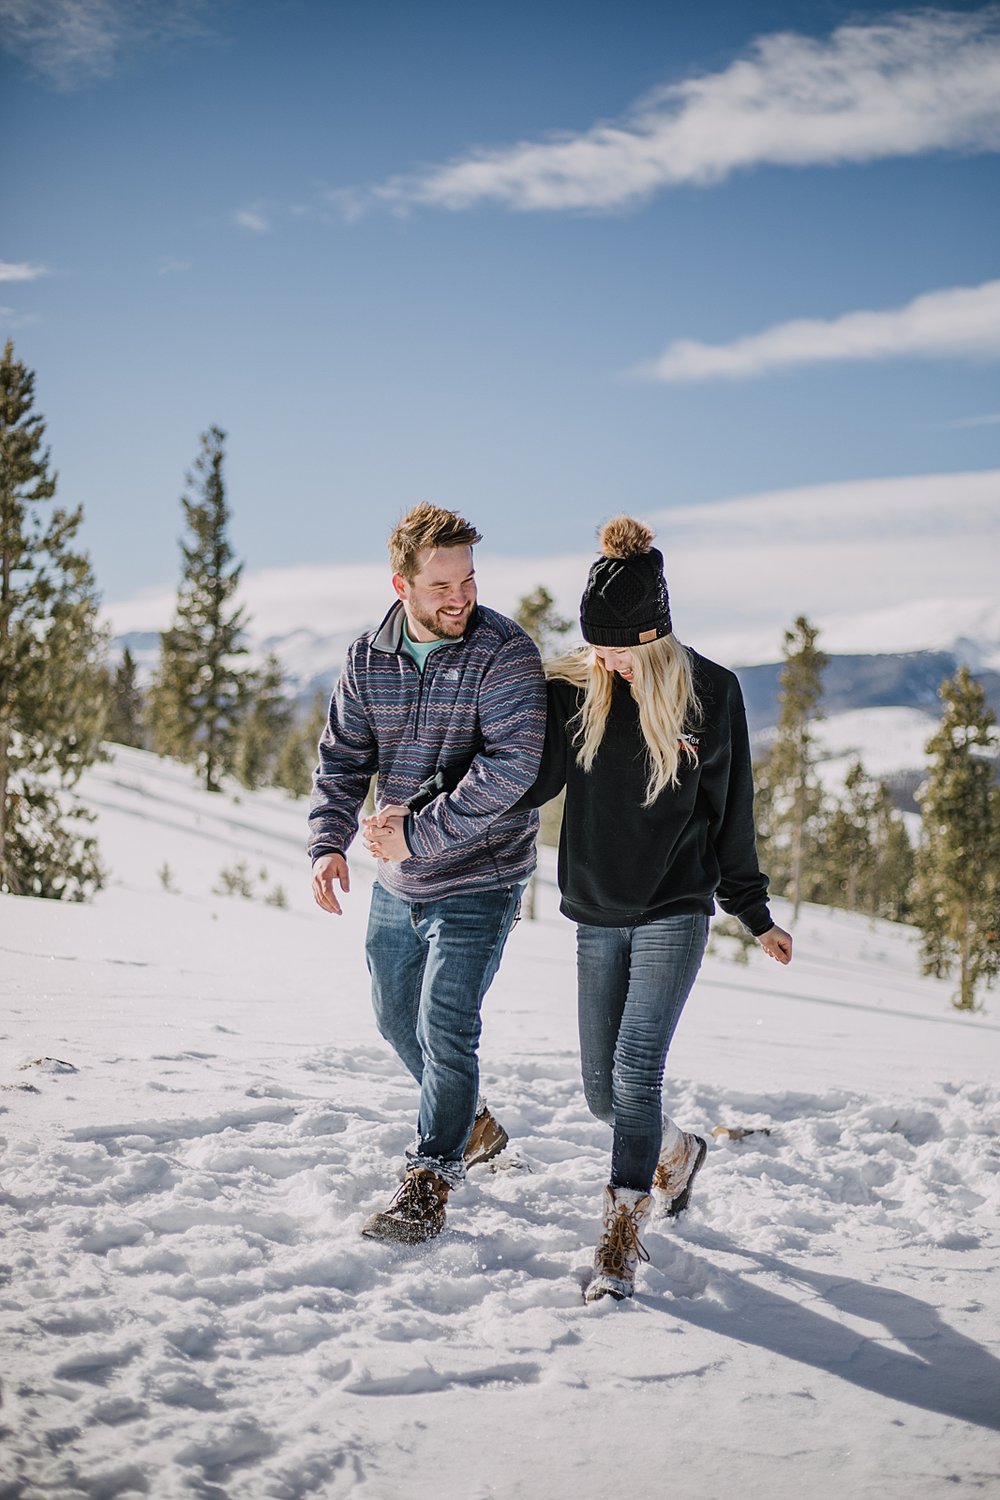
992 419
252 219
20 271
955 321
897 86
868 560
10 318
70 42
171 266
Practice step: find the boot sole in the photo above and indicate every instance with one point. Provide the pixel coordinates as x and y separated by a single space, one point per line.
679 1204
381 1227
605 1286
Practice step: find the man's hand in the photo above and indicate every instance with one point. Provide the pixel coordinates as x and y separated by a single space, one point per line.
327 869
777 944
383 835
383 814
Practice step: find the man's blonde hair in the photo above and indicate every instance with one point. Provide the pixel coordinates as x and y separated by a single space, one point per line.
662 686
427 526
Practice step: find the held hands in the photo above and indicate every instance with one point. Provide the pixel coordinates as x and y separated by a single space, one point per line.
383 835
777 944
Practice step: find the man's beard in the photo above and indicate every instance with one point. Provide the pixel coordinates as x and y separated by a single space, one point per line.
442 627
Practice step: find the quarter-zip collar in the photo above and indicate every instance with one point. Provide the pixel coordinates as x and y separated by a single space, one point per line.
388 637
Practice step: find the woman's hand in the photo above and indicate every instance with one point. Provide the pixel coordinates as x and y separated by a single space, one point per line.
777 944
383 836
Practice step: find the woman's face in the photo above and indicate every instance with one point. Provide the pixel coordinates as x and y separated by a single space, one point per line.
616 659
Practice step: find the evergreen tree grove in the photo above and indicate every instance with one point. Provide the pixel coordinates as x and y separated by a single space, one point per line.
125 704
298 753
789 797
199 697
862 855
265 726
958 864
52 706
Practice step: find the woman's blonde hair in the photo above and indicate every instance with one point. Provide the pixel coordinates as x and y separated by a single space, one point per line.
663 688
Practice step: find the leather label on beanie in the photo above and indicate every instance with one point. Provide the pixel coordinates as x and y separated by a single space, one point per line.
645 636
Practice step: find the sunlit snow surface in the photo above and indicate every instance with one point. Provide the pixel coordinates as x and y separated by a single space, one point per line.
197 1113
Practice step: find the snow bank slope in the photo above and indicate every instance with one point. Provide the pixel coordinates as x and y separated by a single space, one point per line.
197 1113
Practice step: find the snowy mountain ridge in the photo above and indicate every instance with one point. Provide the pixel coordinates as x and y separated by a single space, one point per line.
890 565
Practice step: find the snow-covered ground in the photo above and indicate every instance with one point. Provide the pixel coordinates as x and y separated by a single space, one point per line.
197 1113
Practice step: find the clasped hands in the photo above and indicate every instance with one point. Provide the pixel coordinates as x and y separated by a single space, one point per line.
382 834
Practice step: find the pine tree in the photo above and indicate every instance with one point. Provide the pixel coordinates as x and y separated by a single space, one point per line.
265 727
958 864
789 797
536 613
125 704
199 697
847 841
52 708
893 894
862 858
297 757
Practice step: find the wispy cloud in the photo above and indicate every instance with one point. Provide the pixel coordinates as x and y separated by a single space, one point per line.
11 318
956 321
907 83
73 42
21 270
252 219
992 419
170 265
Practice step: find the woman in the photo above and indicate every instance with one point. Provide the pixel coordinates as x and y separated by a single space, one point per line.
650 741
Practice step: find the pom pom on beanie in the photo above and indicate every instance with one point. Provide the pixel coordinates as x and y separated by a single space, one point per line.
623 536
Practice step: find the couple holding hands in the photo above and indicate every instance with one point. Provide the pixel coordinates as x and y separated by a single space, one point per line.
449 703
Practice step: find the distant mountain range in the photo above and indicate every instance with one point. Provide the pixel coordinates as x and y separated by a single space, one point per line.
904 680
899 576
880 709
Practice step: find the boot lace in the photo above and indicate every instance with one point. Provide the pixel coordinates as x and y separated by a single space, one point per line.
620 1241
415 1197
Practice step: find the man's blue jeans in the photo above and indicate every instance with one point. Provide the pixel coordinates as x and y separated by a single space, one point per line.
632 983
431 964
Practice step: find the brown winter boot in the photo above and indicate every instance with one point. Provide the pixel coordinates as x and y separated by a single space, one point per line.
679 1163
415 1214
487 1138
620 1249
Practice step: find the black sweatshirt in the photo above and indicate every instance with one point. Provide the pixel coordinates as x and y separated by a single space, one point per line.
622 864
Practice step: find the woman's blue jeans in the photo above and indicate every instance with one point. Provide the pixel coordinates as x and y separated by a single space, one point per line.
431 964
632 983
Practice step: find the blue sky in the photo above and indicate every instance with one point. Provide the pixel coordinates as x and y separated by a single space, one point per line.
536 262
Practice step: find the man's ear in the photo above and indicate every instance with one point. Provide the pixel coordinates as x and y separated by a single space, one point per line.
400 585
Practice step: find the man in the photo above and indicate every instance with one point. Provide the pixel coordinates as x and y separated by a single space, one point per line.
448 695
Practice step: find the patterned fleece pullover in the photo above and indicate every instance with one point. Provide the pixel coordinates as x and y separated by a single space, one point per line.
480 701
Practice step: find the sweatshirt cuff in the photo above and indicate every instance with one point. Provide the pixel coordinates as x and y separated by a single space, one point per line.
757 921
323 851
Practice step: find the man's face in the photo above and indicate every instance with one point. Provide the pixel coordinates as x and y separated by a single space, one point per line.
438 600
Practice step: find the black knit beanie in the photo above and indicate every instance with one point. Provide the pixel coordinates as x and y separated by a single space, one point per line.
625 602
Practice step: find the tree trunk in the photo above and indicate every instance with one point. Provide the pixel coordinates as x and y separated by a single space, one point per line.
796 883
967 985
